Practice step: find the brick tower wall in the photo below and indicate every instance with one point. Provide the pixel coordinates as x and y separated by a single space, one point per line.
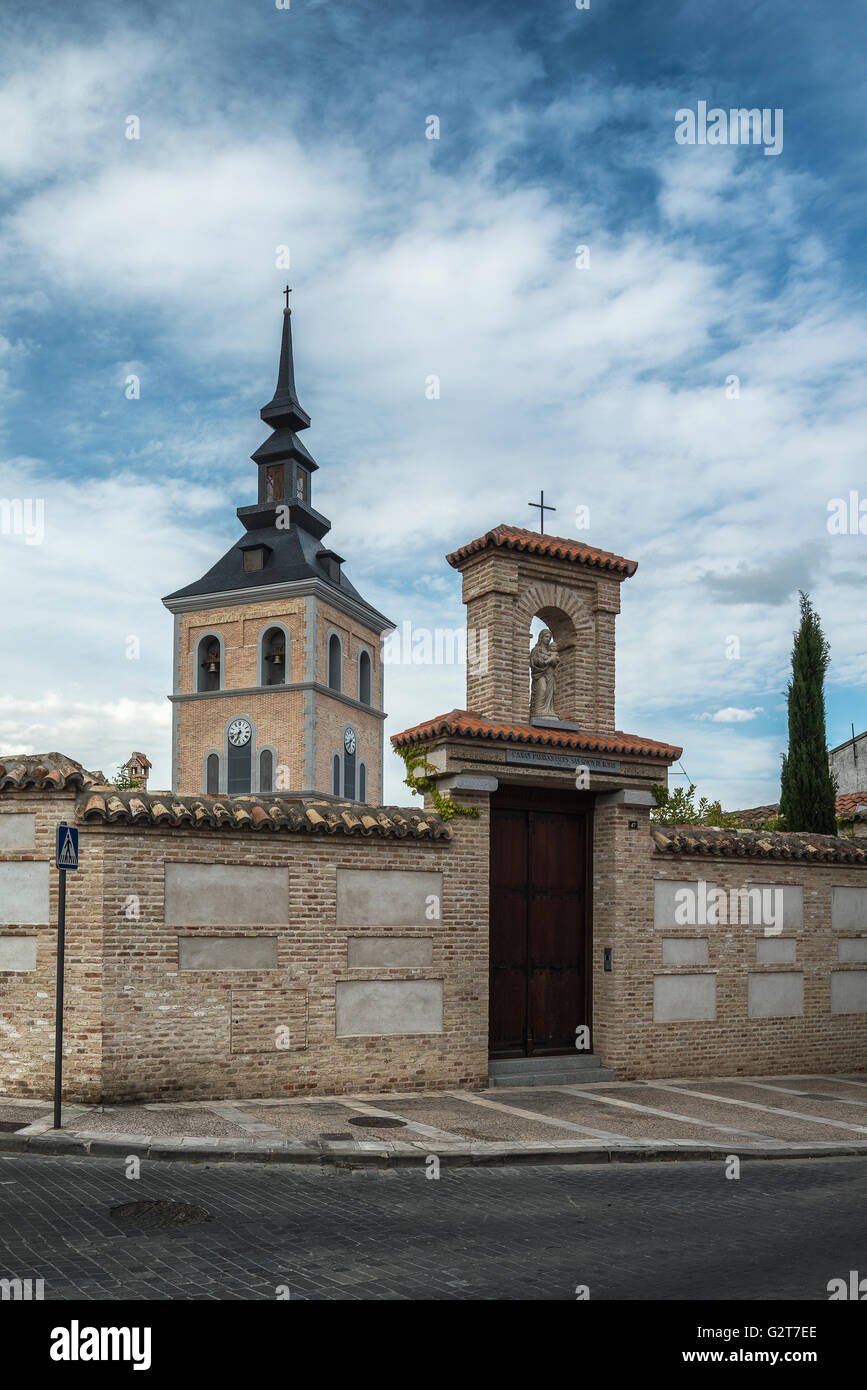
304 726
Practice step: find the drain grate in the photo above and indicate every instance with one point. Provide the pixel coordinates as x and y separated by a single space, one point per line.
377 1122
159 1214
12 1126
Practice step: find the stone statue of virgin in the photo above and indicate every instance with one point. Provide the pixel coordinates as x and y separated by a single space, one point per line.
543 665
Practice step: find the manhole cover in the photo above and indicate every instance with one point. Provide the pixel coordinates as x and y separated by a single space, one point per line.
377 1122
10 1126
159 1214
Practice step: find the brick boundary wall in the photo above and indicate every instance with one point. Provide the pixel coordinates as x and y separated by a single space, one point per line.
733 1043
138 1028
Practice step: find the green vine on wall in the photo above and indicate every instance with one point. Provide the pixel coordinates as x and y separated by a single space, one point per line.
419 779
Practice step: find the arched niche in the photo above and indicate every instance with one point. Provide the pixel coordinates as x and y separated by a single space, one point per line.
570 622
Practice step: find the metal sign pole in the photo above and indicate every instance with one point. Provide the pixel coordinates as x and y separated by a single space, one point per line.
58 1010
65 857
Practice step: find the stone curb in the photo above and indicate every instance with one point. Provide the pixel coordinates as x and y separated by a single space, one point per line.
327 1154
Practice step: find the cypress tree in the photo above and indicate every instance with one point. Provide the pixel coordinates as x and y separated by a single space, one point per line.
807 792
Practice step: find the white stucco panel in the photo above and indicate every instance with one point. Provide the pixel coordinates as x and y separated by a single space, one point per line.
24 897
226 895
375 1008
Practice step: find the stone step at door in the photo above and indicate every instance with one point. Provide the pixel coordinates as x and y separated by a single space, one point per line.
548 1071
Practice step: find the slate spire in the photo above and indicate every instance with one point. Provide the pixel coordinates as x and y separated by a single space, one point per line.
284 410
285 467
284 413
283 544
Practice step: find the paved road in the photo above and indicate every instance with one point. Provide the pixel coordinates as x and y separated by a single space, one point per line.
652 1230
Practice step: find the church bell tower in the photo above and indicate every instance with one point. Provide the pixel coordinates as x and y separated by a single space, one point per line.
278 682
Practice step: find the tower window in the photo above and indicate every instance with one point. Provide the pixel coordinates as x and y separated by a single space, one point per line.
330 563
362 782
266 770
209 664
275 657
212 774
335 774
335 663
274 484
301 484
364 678
254 559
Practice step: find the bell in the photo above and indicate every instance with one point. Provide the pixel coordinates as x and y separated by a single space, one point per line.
212 662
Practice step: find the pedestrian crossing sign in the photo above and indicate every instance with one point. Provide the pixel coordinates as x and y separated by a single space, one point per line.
67 847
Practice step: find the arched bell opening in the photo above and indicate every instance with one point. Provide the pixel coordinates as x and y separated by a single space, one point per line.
209 663
275 659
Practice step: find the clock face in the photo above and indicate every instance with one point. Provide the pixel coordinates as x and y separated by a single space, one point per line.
240 732
349 741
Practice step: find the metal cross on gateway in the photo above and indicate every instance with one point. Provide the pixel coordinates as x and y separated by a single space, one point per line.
542 510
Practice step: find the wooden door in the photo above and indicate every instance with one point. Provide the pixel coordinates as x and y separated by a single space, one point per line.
539 951
509 941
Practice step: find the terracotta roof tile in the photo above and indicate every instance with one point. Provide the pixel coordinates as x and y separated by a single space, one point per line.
755 815
756 844
255 813
519 538
465 724
101 801
45 772
847 805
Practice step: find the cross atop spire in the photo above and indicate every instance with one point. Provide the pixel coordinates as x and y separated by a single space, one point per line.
287 293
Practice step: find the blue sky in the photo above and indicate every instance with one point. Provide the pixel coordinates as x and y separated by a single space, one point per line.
605 385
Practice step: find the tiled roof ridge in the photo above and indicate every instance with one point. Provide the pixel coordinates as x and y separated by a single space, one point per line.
467 723
756 844
563 547
847 804
45 772
301 815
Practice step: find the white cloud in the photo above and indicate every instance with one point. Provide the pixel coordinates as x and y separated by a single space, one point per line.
111 549
101 736
733 767
733 715
62 105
